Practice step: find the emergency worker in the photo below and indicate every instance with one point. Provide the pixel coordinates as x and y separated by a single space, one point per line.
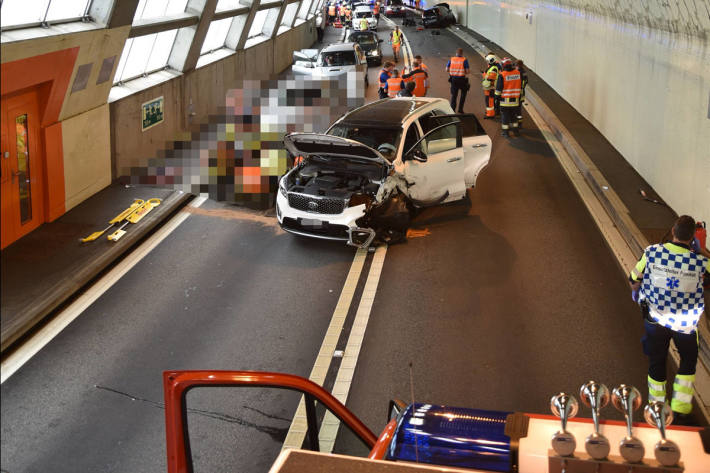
490 77
394 84
408 90
669 281
457 67
376 10
419 77
331 13
348 14
422 66
523 83
363 24
385 74
396 40
508 89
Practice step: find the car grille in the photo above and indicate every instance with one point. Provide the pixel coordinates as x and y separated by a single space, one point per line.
320 205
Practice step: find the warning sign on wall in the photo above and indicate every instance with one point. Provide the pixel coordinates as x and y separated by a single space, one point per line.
152 113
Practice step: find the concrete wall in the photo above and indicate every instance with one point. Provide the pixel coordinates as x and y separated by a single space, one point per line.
193 96
638 71
74 138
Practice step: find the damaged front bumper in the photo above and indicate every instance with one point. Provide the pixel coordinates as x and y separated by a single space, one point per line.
361 237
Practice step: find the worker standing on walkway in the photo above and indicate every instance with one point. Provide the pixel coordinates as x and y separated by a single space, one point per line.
396 40
376 10
523 83
331 13
669 278
490 77
394 84
508 89
457 67
419 77
385 74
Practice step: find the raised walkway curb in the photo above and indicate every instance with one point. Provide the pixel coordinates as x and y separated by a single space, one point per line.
44 269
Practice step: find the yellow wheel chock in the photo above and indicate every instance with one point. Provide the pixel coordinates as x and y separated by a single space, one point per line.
135 217
117 219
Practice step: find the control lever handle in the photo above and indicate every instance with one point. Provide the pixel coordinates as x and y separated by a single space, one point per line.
659 415
627 399
595 396
565 407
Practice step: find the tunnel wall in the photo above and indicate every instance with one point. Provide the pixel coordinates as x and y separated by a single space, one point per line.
192 97
638 71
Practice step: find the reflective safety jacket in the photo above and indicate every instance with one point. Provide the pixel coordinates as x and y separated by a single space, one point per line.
420 78
376 9
394 85
331 10
490 77
396 37
672 285
457 67
384 75
508 88
363 24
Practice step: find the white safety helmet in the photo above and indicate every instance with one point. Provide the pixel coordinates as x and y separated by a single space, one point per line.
491 59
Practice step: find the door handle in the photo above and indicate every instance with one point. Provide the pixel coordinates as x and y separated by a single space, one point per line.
479 146
453 160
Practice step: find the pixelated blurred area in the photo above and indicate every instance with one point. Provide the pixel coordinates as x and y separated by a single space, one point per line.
238 156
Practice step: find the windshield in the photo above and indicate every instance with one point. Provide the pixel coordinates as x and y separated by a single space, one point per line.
337 58
363 14
365 40
384 140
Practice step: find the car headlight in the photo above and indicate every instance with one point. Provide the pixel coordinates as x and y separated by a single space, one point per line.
375 52
282 186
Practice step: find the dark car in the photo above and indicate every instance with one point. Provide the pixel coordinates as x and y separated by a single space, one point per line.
369 43
439 16
395 8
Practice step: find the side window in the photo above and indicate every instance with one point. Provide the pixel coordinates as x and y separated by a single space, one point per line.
411 138
443 139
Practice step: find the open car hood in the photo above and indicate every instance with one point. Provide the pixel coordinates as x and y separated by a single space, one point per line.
306 144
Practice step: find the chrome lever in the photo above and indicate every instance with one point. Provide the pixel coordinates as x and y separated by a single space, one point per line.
479 146
453 160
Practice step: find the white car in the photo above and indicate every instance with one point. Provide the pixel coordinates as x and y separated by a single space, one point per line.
359 180
333 60
364 12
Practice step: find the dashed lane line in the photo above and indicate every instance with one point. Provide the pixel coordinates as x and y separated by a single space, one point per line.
31 347
299 426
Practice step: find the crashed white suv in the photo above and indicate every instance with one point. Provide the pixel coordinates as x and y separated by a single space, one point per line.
360 179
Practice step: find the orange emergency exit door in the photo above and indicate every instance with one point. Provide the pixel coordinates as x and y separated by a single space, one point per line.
22 167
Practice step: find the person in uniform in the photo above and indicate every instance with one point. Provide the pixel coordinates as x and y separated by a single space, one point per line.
457 68
419 78
490 77
520 66
396 40
385 74
669 282
508 89
394 84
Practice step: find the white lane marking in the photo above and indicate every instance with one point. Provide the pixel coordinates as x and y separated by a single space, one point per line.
31 347
344 378
299 426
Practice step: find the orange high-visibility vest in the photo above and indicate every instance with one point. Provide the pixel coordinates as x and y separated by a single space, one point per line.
420 79
491 75
331 10
376 8
394 85
512 84
423 67
456 68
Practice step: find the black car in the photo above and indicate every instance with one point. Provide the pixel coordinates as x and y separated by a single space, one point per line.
438 16
369 43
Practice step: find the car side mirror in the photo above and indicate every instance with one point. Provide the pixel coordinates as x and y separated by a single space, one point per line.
417 155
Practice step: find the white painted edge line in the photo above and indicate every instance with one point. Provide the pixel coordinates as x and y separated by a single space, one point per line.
299 425
344 378
31 347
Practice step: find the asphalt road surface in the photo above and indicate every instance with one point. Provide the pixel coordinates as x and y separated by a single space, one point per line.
499 302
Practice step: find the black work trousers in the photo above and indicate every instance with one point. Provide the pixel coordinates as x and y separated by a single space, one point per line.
655 344
458 84
509 118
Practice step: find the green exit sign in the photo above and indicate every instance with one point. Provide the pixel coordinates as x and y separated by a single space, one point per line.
152 113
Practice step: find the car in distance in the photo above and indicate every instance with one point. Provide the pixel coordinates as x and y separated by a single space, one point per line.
370 44
360 179
364 12
395 8
333 60
439 16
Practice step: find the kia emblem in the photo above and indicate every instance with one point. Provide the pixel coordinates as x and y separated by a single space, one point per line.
312 205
